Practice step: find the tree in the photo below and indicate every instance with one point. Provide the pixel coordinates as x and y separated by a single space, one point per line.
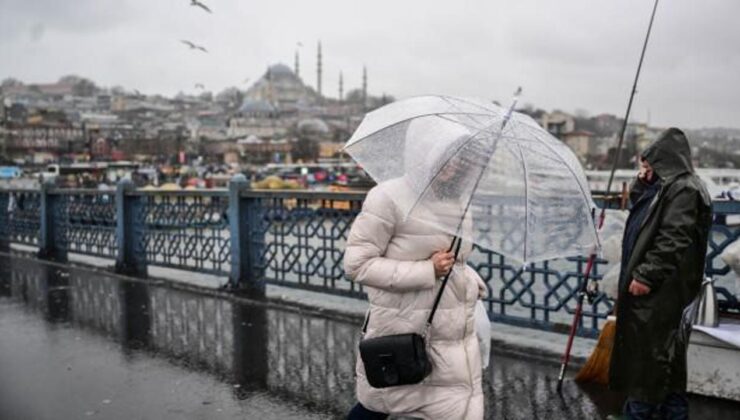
231 96
84 88
353 96
117 90
80 85
10 82
69 79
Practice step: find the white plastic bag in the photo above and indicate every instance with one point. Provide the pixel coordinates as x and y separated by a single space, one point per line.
611 250
731 257
610 281
483 330
611 235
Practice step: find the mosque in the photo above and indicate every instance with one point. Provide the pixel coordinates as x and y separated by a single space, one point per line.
281 107
281 90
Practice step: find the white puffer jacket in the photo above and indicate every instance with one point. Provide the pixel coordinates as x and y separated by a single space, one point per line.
391 258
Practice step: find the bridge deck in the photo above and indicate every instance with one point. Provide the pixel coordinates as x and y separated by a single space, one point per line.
83 344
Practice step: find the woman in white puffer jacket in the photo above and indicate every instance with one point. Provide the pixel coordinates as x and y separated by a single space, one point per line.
400 263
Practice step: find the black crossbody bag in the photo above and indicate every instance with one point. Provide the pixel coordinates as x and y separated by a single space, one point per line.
400 359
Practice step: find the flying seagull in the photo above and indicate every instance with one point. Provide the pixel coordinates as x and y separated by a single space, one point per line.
246 80
193 46
199 86
196 3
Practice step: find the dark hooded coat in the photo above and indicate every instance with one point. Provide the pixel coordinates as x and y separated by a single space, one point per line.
648 361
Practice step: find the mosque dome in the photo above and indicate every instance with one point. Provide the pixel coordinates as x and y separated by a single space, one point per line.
257 106
280 70
313 126
281 88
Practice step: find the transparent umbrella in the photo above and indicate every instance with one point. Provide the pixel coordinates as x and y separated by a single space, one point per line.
520 191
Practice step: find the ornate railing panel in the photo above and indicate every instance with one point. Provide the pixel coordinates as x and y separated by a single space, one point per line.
542 294
23 216
4 219
304 238
86 222
185 230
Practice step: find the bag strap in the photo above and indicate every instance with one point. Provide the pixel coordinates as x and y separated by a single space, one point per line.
444 283
364 324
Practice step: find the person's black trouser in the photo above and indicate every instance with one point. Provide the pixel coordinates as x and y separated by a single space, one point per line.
359 412
674 407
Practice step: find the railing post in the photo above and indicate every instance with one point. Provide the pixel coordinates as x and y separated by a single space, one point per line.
244 219
251 360
5 209
49 241
136 316
131 257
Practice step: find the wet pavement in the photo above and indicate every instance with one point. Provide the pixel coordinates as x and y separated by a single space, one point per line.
81 344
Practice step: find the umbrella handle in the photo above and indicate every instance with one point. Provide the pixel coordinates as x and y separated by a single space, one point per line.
438 298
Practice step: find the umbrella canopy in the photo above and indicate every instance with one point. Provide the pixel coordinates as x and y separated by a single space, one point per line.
521 191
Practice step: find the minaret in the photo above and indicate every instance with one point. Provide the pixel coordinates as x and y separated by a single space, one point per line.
270 92
297 65
318 71
341 87
364 87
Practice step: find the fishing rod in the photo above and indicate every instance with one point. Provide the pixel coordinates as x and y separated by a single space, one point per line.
583 287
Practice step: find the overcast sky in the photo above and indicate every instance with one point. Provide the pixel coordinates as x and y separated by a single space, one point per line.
566 54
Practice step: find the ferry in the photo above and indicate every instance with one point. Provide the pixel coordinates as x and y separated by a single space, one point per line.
721 183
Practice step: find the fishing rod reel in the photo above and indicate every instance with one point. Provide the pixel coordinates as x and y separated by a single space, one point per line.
592 291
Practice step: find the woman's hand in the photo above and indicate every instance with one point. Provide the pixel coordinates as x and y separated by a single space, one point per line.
443 262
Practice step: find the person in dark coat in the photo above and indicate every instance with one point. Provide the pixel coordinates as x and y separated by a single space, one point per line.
664 252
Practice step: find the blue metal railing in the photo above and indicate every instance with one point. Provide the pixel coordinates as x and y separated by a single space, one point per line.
303 237
86 222
287 238
22 220
189 231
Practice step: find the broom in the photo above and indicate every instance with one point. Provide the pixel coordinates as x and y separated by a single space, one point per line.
596 368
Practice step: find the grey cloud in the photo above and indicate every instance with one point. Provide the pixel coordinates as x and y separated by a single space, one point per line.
83 16
566 54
